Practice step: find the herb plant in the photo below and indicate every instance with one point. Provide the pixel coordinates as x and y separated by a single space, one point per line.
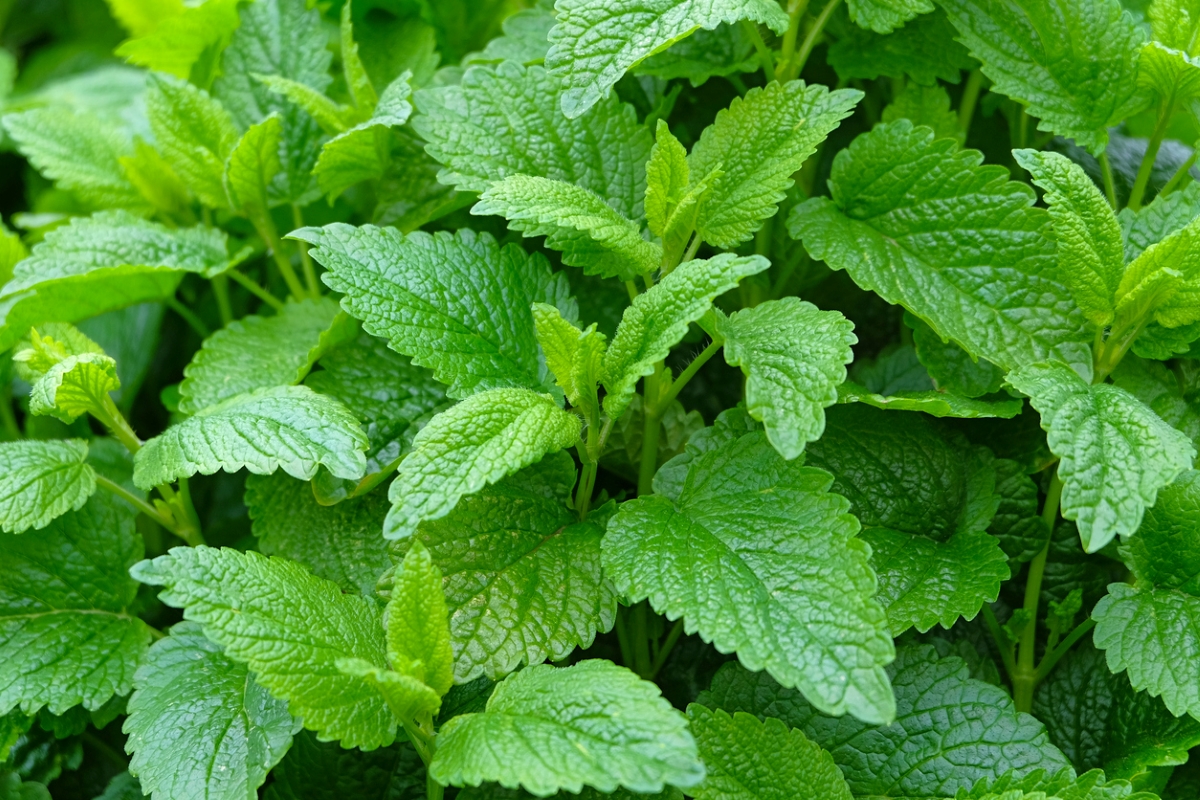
732 399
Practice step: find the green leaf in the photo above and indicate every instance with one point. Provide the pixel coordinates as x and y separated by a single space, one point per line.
925 498
658 319
934 403
906 220
749 760
79 151
67 635
952 369
252 164
1156 386
492 791
574 357
575 221
950 730
195 134
199 725
104 262
363 152
666 179
1159 219
524 39
288 427
594 44
140 17
1162 283
924 49
340 543
258 352
592 724
1017 523
758 143
316 770
75 386
1099 721
494 123
520 538
42 481
1091 257
418 632
1115 452
176 43
287 39
928 106
758 557
407 697
795 356
476 443
884 16
1171 74
705 54
1073 64
289 628
1063 785
410 290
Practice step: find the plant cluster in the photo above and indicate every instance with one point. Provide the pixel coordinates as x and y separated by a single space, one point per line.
416 399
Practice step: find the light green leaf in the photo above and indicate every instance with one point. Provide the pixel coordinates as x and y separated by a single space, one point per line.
574 357
594 44
928 106
1171 74
75 386
289 628
284 427
884 16
277 37
666 178
12 251
333 117
104 262
67 635
757 556
658 319
363 152
418 633
153 176
456 303
340 543
1157 220
795 356
758 143
925 498
1115 452
475 443
177 42
1091 256
505 121
1162 283
950 730
1063 785
42 480
199 725
934 403
252 164
358 82
749 760
257 352
1072 63
592 724
524 39
139 17
924 49
407 697
315 770
575 221
195 134
905 221
492 791
80 152
520 538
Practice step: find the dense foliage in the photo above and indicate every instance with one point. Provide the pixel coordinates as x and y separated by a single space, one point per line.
364 433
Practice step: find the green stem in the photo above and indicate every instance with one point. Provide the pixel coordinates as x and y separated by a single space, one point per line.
970 99
111 417
188 316
1002 642
135 501
1024 679
810 41
433 789
8 420
667 646
690 253
640 640
1180 175
310 271
265 227
256 290
796 9
220 285
764 53
632 290
1147 166
1110 186
688 373
623 636
650 405
1052 658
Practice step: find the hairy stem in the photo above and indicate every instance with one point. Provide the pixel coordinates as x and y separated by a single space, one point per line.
810 41
265 227
688 373
1051 659
760 47
135 501
220 285
1147 166
667 646
1002 642
1181 174
650 428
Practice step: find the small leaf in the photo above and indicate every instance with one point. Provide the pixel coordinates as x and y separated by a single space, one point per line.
924 49
195 134
418 635
364 152
176 43
666 179
75 386
883 16
575 357
252 164
42 480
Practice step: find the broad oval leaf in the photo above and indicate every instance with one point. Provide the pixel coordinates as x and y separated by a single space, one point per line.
42 480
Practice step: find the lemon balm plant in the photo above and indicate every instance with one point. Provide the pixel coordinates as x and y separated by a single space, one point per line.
729 399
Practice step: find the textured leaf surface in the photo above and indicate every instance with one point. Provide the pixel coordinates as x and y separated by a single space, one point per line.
758 557
475 443
1160 389
925 497
658 318
41 481
541 730
75 386
758 143
195 134
363 152
290 628
924 49
577 222
456 303
749 759
315 770
1063 784
883 16
1115 452
909 218
258 352
933 403
950 730
520 540
795 356
287 427
926 105
340 543
506 121
199 725
705 54
1159 219
1073 63
66 634
418 636
252 164
951 368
